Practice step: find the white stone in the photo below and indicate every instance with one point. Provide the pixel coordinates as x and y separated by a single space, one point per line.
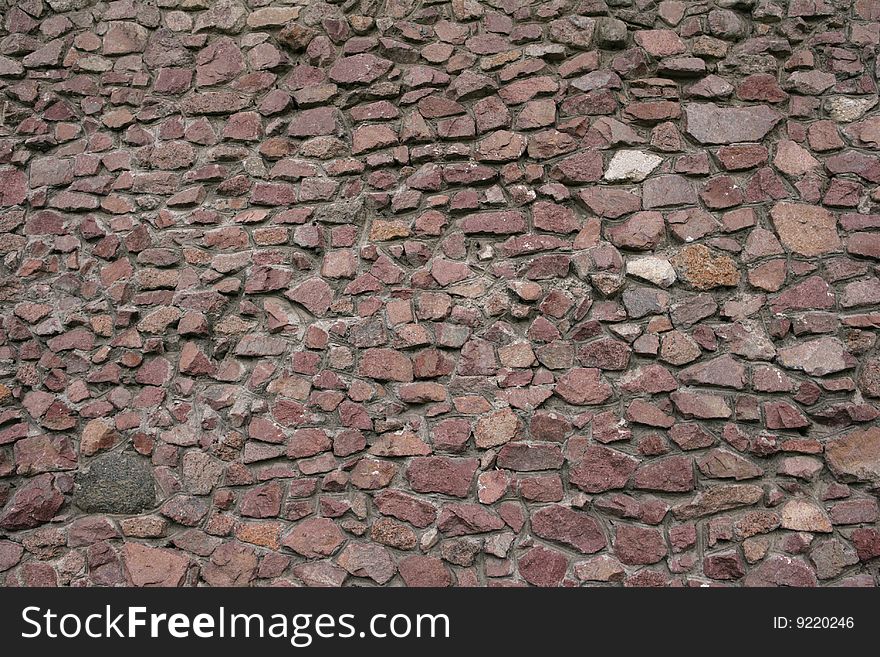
655 270
631 165
845 109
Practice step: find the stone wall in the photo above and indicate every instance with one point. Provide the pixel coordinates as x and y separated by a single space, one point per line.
451 293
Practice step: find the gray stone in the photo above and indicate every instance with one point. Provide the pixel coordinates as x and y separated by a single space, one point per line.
116 483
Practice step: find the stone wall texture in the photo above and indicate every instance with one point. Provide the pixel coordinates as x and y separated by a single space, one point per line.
415 292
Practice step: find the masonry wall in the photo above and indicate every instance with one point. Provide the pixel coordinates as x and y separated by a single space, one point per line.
439 293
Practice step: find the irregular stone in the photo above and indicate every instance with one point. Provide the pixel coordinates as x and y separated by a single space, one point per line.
563 525
817 357
115 483
599 469
809 230
856 455
724 464
710 124
149 566
704 270
632 166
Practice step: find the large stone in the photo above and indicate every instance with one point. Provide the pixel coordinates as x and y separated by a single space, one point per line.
710 124
807 229
501 146
724 464
673 474
385 365
496 428
149 566
652 269
717 499
368 560
779 570
115 483
231 564
542 567
441 474
561 524
314 538
632 166
34 503
598 469
706 270
643 231
635 545
362 68
817 357
805 516
583 386
668 190
856 455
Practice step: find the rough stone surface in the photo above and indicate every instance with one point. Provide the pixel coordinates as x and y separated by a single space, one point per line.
116 483
439 293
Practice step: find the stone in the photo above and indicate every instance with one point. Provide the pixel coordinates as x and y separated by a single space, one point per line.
642 231
780 570
817 357
724 566
366 560
583 386
528 458
655 270
385 365
441 474
496 428
668 190
231 564
598 469
674 474
635 545
501 146
808 230
362 68
115 483
832 557
564 525
710 124
123 37
554 218
423 571
631 166
660 43
314 538
705 270
34 503
716 499
855 456
724 371
804 516
149 566
724 464
793 159
543 567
